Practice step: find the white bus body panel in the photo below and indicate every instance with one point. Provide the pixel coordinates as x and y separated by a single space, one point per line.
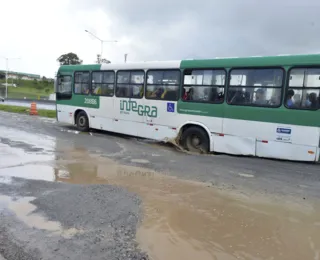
231 136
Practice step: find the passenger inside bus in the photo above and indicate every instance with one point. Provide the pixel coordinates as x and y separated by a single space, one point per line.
260 97
122 91
289 101
189 94
97 90
312 101
157 93
85 89
238 97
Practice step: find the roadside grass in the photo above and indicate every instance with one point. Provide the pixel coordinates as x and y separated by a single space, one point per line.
26 110
27 89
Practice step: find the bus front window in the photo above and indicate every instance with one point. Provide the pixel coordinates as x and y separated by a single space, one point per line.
64 87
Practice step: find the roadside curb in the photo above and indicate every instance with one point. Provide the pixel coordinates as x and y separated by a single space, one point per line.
43 101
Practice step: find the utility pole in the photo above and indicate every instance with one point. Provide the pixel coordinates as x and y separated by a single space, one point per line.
7 68
125 58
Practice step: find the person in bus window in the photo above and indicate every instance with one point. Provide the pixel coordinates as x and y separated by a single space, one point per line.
85 89
289 102
260 97
190 94
157 93
312 101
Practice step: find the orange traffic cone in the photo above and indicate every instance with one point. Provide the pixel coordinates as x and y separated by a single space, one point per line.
33 109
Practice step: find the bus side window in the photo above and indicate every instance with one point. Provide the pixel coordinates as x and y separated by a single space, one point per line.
205 86
103 83
303 89
130 84
163 84
255 87
81 82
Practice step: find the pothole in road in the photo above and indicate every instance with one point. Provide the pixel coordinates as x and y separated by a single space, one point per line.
187 220
23 210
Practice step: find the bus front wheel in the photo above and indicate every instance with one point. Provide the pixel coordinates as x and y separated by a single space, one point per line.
82 121
195 139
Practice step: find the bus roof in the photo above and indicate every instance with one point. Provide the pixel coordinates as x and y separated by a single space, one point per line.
175 64
72 68
254 61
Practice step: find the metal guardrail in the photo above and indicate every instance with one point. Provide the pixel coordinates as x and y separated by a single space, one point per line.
43 101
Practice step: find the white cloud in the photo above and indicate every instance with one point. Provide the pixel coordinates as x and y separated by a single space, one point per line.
39 31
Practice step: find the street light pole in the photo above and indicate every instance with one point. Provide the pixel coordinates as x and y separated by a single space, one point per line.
101 41
7 68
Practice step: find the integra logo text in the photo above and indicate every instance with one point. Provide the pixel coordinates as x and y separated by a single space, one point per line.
142 110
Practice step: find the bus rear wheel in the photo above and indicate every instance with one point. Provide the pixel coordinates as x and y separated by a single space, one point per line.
82 121
195 139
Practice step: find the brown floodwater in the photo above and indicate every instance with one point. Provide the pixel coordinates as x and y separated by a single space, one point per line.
189 220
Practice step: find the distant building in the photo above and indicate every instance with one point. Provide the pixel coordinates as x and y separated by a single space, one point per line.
26 76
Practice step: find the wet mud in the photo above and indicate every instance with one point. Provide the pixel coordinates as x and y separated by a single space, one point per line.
23 210
182 219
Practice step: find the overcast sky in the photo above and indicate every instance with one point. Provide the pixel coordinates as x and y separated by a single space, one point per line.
39 31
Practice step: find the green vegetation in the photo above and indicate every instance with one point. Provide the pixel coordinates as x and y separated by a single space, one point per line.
69 59
32 89
26 110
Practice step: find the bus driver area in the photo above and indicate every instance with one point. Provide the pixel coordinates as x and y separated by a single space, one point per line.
256 106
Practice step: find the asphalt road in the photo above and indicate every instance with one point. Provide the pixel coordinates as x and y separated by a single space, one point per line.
264 176
107 216
41 104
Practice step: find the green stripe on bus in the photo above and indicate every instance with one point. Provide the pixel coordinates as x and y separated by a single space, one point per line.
70 69
292 60
81 101
280 115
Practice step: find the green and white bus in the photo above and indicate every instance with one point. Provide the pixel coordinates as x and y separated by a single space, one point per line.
256 106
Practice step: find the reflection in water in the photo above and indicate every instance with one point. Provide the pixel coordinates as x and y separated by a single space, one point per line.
185 219
23 210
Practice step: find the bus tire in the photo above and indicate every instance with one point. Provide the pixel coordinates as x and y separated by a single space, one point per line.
195 139
82 121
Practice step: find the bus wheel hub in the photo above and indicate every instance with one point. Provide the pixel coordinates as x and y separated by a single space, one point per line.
195 141
82 121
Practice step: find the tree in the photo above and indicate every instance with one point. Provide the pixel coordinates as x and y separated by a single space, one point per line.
105 61
101 60
45 81
98 61
69 59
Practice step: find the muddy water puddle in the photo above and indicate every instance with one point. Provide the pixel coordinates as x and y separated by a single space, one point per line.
188 220
23 210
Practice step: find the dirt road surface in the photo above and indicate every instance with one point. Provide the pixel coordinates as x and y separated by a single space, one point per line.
71 195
